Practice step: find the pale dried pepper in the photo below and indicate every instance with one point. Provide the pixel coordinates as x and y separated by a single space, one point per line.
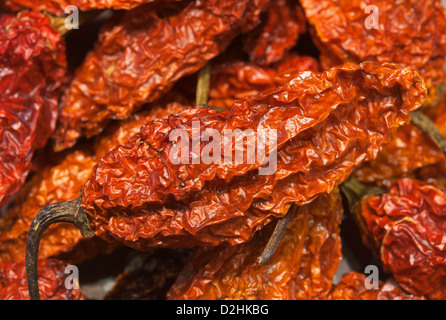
327 123
127 68
302 266
32 68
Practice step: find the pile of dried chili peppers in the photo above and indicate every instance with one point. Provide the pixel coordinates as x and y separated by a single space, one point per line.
222 149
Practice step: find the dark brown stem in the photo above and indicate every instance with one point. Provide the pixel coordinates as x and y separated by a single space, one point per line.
277 235
428 126
67 211
354 191
204 78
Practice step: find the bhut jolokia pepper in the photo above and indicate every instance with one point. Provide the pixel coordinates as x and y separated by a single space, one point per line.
139 58
63 182
410 33
32 64
405 228
52 275
302 266
352 286
234 80
325 123
274 37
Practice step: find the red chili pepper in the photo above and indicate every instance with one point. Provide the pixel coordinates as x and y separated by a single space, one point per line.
324 128
32 64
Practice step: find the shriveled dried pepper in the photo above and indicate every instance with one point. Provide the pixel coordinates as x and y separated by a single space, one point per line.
32 64
13 285
410 33
139 58
302 267
405 228
274 38
235 80
410 150
63 182
326 124
352 287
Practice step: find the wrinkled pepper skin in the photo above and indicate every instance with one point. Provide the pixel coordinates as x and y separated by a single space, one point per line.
234 80
13 285
139 58
153 276
63 182
57 7
405 228
410 33
410 150
302 266
352 287
33 65
274 37
327 124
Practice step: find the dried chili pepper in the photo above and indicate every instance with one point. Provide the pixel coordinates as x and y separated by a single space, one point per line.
409 33
128 68
410 150
52 275
405 228
32 64
302 267
326 123
62 182
236 80
271 40
150 275
352 287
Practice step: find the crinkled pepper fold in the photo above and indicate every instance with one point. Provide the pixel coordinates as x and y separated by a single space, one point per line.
326 123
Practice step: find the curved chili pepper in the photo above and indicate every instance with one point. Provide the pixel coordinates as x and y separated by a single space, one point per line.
274 37
32 64
405 228
51 274
410 33
236 80
62 182
302 267
139 58
352 287
326 123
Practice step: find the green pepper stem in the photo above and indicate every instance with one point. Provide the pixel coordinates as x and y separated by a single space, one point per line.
354 191
67 211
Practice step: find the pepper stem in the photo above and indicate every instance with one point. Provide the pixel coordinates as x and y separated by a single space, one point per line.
67 211
428 126
276 237
354 191
204 78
